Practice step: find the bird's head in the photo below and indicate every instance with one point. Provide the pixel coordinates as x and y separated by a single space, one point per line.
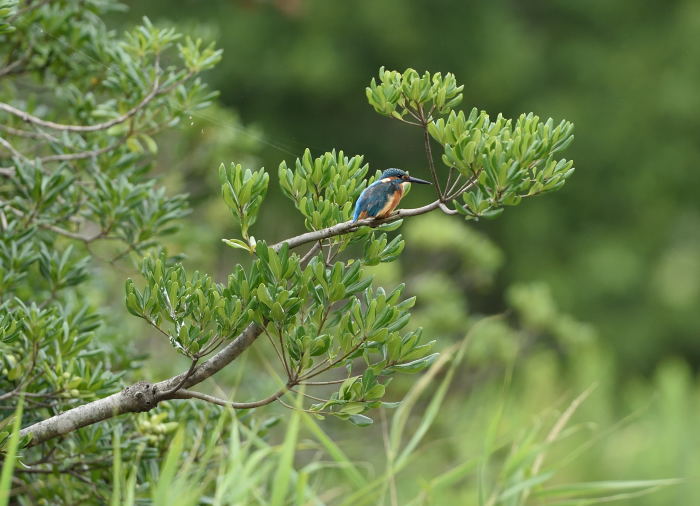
398 174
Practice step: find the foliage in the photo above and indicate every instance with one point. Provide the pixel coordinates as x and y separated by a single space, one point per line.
78 183
519 460
322 316
319 315
318 186
75 181
619 248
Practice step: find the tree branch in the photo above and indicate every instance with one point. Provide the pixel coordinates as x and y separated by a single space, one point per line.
27 133
178 386
189 394
447 210
309 254
350 226
102 234
84 154
318 383
9 147
28 118
144 396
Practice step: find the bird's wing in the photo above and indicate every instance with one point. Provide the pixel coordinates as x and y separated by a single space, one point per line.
372 200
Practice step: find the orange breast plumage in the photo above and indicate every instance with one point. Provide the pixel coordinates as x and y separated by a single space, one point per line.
391 202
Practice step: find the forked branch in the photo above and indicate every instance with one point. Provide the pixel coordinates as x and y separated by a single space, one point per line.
144 396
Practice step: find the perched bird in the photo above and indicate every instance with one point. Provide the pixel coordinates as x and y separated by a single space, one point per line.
380 198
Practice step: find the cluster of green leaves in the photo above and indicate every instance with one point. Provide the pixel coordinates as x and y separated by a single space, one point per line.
46 337
508 160
7 11
136 213
47 353
61 270
86 181
201 313
347 325
496 163
324 188
17 255
74 188
243 192
275 283
409 95
319 317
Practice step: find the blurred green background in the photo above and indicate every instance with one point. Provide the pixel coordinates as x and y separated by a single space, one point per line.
618 248
620 245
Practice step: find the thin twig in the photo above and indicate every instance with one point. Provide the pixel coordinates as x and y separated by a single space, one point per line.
182 381
311 411
215 343
309 396
27 133
84 154
466 186
189 394
280 352
6 144
449 179
316 371
452 187
317 383
309 254
408 122
429 153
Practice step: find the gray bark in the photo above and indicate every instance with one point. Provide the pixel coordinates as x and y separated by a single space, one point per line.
144 396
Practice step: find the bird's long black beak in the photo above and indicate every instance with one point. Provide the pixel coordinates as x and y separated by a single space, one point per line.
419 181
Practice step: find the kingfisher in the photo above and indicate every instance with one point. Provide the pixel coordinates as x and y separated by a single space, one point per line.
380 198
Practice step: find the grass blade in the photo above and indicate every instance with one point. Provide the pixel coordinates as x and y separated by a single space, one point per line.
335 452
283 475
116 468
600 487
8 466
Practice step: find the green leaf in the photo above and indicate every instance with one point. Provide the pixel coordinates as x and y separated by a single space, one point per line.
415 365
237 243
361 420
